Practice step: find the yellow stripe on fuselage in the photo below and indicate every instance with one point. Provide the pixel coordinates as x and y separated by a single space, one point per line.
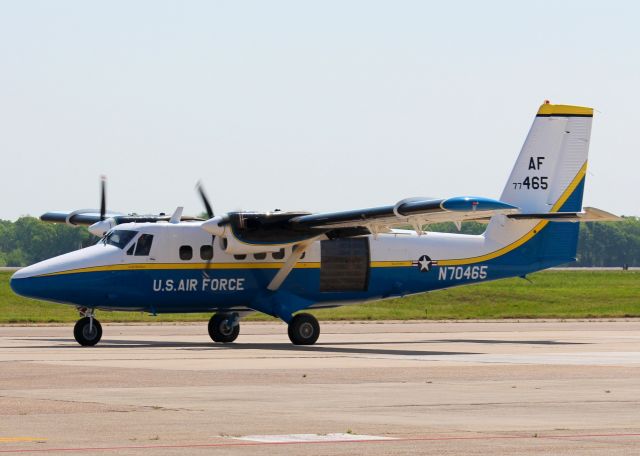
390 264
213 266
180 266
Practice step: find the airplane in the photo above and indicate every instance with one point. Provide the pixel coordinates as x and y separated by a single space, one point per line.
281 263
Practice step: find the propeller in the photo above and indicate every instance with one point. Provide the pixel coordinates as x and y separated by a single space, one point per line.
205 199
210 215
103 197
104 225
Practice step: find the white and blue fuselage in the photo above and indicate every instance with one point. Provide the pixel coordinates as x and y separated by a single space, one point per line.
179 274
281 263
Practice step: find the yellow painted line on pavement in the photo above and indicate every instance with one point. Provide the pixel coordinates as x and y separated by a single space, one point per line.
21 439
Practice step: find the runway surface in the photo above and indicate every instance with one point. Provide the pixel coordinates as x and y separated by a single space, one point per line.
499 388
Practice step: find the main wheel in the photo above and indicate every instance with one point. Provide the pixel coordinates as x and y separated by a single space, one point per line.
221 329
304 329
87 334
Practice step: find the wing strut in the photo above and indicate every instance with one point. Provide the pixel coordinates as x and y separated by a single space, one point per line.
287 267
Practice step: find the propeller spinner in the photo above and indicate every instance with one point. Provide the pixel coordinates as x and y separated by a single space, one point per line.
214 224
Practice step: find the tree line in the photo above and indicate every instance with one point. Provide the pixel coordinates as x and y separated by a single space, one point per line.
28 240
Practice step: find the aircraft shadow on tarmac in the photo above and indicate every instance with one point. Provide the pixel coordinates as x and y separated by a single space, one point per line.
285 346
336 348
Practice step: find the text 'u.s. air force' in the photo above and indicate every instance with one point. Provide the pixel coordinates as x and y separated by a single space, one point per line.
204 284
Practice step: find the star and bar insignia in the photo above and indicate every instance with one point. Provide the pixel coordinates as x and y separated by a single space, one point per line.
425 263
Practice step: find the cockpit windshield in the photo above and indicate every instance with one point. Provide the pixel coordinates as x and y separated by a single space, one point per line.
119 238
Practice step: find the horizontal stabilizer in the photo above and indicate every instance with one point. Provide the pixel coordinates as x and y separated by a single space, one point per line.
590 214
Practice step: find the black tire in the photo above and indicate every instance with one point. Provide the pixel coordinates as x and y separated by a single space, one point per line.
304 329
85 336
219 329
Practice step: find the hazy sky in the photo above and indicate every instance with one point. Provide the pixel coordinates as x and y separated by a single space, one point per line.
303 105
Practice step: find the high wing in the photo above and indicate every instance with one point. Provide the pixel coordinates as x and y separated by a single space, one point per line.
88 217
416 212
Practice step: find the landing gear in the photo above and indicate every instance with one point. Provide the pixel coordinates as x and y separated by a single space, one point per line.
88 331
224 327
304 329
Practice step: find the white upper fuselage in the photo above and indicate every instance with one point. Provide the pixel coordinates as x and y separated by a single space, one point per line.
168 238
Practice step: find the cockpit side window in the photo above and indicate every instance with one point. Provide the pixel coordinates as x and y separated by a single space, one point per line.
119 238
143 247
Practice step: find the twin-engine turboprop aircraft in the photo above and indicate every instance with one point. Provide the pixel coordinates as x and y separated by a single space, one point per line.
281 263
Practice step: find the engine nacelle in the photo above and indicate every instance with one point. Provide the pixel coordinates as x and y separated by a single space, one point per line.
253 232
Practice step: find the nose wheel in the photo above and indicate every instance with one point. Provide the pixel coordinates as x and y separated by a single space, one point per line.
224 327
304 329
87 331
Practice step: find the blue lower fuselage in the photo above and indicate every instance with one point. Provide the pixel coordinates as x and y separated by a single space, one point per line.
207 289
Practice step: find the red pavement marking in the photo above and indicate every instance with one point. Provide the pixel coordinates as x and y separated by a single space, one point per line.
319 442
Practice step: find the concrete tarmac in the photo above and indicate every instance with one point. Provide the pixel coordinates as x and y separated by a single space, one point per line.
499 388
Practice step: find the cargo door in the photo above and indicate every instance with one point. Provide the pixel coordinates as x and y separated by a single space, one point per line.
344 264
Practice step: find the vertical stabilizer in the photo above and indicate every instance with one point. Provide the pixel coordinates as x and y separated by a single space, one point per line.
548 177
553 157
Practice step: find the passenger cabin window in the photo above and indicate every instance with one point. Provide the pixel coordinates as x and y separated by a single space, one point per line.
186 252
206 252
119 238
278 255
143 246
240 257
259 256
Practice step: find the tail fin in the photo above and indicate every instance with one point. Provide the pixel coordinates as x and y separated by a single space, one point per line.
553 161
548 176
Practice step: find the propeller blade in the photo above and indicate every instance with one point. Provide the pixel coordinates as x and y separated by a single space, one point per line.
205 272
103 197
205 200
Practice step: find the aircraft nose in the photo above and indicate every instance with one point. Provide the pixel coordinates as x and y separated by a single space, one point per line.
22 273
24 281
30 283
19 284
